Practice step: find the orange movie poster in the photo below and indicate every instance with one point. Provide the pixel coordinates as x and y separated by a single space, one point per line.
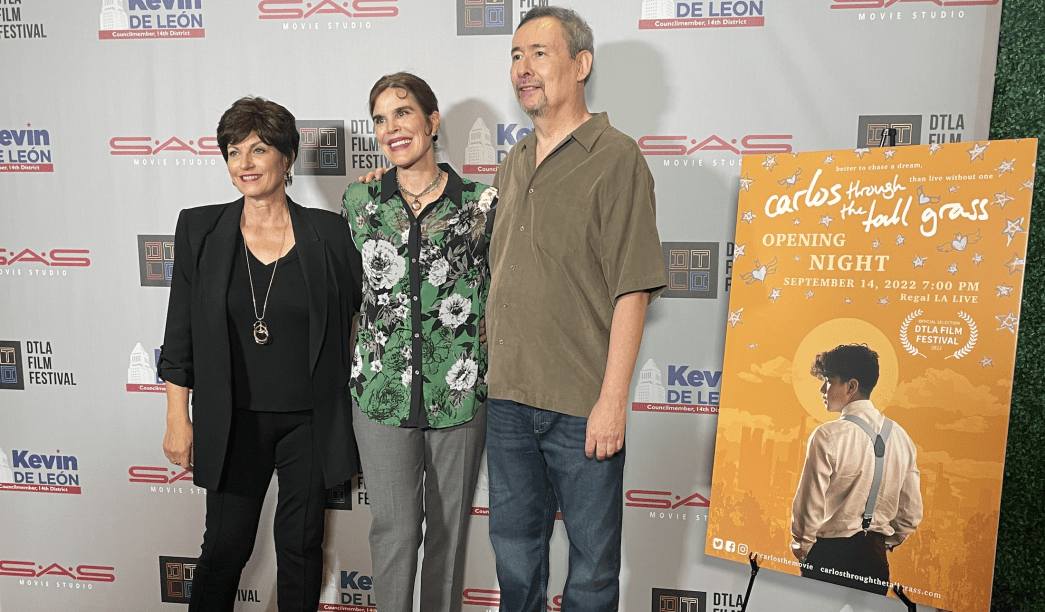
881 286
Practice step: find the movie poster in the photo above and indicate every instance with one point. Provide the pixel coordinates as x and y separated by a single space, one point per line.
914 257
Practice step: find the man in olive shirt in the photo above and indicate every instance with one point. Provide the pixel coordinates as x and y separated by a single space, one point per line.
575 259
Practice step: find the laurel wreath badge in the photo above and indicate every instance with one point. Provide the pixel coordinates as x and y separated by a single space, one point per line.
910 348
973 335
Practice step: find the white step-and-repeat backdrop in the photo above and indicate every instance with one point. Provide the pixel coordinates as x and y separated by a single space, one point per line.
107 127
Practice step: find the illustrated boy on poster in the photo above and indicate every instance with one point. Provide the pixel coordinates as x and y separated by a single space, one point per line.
859 495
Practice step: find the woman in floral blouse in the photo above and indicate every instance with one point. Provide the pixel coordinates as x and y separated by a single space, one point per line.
419 373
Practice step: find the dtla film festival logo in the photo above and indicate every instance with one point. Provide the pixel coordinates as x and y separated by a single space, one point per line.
354 15
155 260
177 575
668 14
688 390
871 127
366 151
322 148
40 472
40 362
51 574
167 149
341 496
916 10
13 22
693 269
484 17
25 150
674 600
164 19
141 371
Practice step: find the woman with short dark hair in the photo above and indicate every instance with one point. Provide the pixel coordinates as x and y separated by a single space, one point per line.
418 378
261 303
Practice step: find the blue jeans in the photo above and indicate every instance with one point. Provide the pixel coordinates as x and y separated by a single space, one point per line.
537 466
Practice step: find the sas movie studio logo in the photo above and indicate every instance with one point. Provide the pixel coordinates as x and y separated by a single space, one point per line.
11 375
155 259
321 151
674 600
692 268
476 17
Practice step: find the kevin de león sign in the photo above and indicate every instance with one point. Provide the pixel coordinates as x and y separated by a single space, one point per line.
917 253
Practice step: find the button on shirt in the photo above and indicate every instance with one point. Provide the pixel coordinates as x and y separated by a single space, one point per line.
571 237
417 360
836 480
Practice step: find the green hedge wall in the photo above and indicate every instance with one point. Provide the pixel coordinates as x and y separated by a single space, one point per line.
1019 112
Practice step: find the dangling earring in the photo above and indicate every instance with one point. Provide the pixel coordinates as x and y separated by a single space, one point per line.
288 179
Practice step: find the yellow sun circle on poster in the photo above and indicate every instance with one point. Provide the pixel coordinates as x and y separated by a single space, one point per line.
825 337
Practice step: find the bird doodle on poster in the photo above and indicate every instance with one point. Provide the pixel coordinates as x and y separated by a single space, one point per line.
789 182
925 199
760 272
960 243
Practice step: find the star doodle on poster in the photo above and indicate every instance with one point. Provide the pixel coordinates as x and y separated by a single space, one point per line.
877 243
884 301
1004 291
976 151
797 222
977 259
826 221
748 217
848 300
738 249
746 182
1014 263
830 159
734 318
900 239
934 147
770 162
986 362
1001 199
774 294
759 272
1027 184
809 294
919 261
752 346
861 152
960 243
1008 321
889 153
925 199
789 181
952 189
798 258
1006 166
1012 228
952 269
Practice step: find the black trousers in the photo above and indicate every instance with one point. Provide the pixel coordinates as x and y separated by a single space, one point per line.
859 561
261 441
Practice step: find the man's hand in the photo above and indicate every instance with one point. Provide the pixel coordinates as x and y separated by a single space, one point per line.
373 176
605 435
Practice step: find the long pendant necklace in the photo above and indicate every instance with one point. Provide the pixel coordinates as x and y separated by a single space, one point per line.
416 204
261 330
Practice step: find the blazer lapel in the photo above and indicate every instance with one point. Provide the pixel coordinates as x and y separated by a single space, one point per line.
215 268
312 253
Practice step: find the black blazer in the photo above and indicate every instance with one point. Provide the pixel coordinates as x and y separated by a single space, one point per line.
196 354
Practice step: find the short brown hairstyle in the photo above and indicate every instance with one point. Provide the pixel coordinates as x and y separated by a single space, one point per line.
273 124
413 85
575 30
848 362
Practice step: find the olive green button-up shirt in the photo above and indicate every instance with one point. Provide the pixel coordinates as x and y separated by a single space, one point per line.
570 237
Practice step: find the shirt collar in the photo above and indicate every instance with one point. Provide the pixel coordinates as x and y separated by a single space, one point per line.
858 407
586 133
453 190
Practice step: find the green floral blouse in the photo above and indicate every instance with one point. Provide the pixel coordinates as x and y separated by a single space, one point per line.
417 359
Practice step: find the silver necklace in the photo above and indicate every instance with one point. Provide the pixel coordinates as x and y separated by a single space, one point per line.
416 205
261 330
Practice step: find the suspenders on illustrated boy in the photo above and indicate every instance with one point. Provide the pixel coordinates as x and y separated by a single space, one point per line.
878 440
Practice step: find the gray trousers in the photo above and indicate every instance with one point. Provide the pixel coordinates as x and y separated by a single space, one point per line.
414 475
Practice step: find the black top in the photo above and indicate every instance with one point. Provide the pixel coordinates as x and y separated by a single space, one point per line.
273 377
